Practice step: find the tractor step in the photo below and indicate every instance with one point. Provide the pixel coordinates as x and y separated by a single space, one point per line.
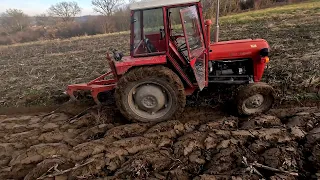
230 76
229 82
230 79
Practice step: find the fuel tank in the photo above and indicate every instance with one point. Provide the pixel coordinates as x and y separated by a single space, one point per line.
238 49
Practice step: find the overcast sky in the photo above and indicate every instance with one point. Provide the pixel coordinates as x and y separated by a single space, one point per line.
34 7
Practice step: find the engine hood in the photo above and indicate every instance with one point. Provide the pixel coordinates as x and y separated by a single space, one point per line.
237 49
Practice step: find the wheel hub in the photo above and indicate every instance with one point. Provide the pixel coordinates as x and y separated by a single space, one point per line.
255 101
150 98
149 102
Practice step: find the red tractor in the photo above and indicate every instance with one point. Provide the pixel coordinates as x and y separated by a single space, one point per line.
171 57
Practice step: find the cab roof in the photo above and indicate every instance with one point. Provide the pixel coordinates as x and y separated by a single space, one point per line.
158 3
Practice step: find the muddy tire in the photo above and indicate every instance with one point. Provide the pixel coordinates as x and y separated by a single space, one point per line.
255 99
150 94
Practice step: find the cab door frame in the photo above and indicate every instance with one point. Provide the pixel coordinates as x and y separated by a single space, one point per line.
198 55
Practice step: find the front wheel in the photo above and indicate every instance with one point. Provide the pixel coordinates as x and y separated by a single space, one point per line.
255 99
150 94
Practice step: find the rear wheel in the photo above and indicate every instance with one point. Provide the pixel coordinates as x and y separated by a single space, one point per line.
255 99
150 94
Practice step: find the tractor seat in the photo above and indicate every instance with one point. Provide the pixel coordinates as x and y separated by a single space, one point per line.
150 46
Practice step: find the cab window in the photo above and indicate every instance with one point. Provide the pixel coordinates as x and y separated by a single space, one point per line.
148 32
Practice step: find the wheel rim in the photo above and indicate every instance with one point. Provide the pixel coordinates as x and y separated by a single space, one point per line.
150 100
256 104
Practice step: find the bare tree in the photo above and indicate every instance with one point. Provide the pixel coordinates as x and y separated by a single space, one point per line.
65 10
14 20
106 7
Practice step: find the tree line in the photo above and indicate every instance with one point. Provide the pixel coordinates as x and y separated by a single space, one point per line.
62 20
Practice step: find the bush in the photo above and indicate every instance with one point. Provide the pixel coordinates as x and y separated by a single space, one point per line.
29 34
67 30
5 40
60 30
93 25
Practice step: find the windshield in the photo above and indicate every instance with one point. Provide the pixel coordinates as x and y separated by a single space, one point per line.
191 24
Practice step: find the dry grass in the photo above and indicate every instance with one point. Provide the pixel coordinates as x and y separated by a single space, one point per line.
309 7
34 73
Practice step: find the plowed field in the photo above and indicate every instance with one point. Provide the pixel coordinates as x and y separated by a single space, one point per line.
202 144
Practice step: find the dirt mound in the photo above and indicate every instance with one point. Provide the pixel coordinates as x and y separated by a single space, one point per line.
202 145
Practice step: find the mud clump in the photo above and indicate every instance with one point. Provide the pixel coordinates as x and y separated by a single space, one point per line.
271 146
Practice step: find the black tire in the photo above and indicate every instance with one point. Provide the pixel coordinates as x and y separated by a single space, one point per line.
161 76
258 92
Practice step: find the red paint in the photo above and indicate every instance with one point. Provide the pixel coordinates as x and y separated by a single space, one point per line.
193 62
180 71
241 49
258 71
175 51
208 24
165 24
159 44
190 90
128 62
237 49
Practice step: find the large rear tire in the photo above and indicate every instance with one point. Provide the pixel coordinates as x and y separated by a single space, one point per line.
150 94
255 99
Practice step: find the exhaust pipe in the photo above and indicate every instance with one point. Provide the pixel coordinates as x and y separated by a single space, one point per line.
216 32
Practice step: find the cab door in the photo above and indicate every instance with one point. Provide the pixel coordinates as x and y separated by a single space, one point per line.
195 43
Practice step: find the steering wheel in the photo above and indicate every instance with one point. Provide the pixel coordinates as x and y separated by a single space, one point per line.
183 47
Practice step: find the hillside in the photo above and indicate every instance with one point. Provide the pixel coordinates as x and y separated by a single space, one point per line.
36 73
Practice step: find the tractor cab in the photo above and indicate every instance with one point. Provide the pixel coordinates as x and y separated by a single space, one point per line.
169 32
149 34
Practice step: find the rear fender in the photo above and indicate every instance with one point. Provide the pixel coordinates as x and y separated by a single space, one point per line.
129 62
